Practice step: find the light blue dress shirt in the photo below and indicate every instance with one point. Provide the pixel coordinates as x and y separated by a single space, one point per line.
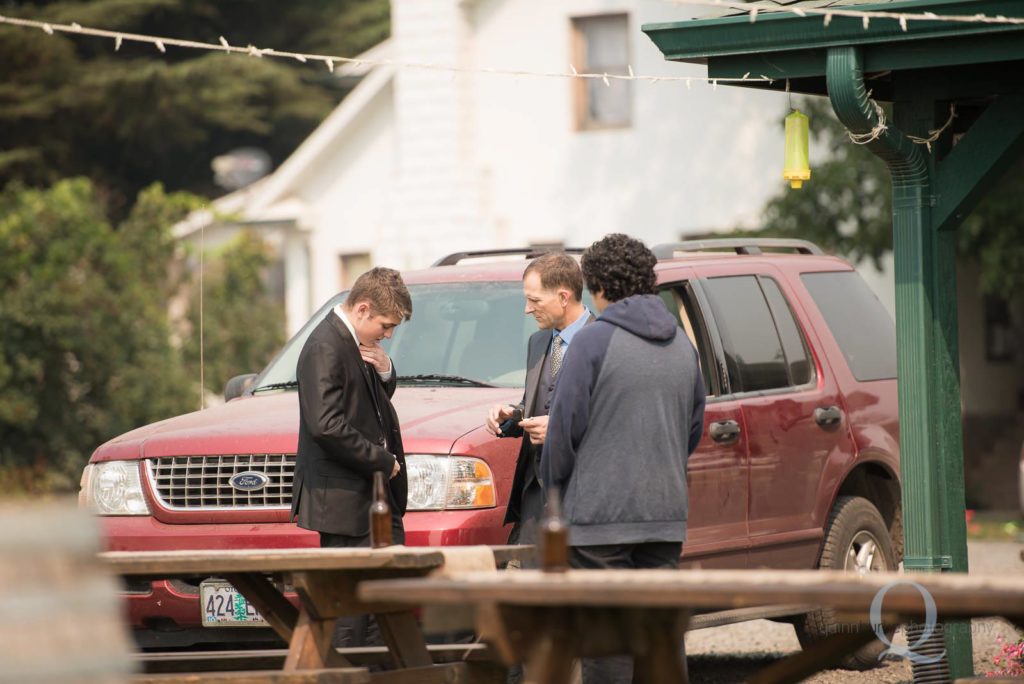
570 331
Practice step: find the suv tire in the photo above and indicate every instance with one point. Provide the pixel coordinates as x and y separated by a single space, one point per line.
856 540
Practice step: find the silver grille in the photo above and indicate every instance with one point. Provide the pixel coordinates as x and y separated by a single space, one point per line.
203 482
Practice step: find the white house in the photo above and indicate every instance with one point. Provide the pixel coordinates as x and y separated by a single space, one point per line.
418 162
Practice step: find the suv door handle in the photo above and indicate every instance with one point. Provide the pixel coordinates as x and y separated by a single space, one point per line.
827 416
725 431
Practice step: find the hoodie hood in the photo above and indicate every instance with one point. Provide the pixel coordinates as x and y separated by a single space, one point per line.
642 315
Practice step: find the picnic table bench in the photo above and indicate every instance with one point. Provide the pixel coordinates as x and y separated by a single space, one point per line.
325 581
548 619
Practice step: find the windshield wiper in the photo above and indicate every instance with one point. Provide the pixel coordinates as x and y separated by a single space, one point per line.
291 384
433 377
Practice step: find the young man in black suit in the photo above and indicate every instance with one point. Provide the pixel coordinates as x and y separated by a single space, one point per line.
348 429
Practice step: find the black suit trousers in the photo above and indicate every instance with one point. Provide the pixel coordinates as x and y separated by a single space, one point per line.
358 630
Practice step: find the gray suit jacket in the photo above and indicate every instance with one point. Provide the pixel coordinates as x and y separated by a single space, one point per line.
536 352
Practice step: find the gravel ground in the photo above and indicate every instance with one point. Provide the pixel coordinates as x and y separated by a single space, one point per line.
721 655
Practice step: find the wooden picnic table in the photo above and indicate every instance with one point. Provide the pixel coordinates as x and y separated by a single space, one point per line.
325 581
548 619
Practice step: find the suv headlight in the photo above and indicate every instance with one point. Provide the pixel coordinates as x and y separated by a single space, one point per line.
438 483
113 488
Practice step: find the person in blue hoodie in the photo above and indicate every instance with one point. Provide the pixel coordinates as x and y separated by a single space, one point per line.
626 413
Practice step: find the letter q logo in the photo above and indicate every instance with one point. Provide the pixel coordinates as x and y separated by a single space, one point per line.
930 615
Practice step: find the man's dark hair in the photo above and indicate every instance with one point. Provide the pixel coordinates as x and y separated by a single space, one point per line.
557 269
384 290
619 266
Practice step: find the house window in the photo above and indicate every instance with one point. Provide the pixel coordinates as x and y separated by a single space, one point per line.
353 266
600 45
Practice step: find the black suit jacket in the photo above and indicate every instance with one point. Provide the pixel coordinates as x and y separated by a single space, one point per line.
348 430
536 352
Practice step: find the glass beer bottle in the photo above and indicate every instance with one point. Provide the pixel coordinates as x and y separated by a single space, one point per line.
380 514
554 536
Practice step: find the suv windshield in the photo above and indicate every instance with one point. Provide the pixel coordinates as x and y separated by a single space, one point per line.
472 330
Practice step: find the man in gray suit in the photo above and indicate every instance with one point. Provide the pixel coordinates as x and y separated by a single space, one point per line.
553 288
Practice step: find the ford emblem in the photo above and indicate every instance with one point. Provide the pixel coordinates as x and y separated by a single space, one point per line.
249 481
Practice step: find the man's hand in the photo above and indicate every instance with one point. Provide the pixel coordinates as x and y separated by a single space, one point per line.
536 428
395 469
375 355
496 416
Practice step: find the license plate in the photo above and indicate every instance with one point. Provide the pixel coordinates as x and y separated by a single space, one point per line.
224 606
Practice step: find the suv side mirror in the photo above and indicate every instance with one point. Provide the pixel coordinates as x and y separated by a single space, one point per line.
238 385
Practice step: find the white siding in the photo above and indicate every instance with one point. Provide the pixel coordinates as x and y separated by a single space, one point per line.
350 192
692 160
437 199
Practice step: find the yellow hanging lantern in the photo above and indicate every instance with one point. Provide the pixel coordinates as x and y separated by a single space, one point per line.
797 169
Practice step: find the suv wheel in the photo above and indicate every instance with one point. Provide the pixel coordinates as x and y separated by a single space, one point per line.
856 540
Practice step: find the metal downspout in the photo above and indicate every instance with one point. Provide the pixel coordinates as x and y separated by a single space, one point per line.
921 405
852 104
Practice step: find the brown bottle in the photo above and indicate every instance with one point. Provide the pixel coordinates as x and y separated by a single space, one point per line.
380 514
554 536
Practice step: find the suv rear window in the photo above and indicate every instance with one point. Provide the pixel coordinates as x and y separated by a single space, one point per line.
763 346
860 324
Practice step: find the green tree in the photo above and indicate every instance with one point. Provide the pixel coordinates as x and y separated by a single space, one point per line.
243 324
70 105
84 340
993 235
846 208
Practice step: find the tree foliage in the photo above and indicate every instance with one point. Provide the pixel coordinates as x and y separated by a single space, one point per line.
846 208
993 235
243 325
71 105
86 348
84 340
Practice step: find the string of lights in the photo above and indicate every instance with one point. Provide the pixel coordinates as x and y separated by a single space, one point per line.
329 61
161 43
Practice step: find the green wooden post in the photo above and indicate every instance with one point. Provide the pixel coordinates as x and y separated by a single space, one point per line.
933 499
931 196
931 452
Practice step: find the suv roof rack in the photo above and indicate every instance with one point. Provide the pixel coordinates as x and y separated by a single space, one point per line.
527 252
739 245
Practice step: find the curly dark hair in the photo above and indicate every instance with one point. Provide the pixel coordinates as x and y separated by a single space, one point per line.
619 266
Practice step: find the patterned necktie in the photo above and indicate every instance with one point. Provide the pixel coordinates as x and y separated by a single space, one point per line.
556 355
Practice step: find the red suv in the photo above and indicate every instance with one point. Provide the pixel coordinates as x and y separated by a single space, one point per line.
798 467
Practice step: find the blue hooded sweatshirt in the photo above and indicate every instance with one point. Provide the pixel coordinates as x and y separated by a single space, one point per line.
627 412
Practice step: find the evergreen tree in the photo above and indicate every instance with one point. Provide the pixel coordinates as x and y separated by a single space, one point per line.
70 105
